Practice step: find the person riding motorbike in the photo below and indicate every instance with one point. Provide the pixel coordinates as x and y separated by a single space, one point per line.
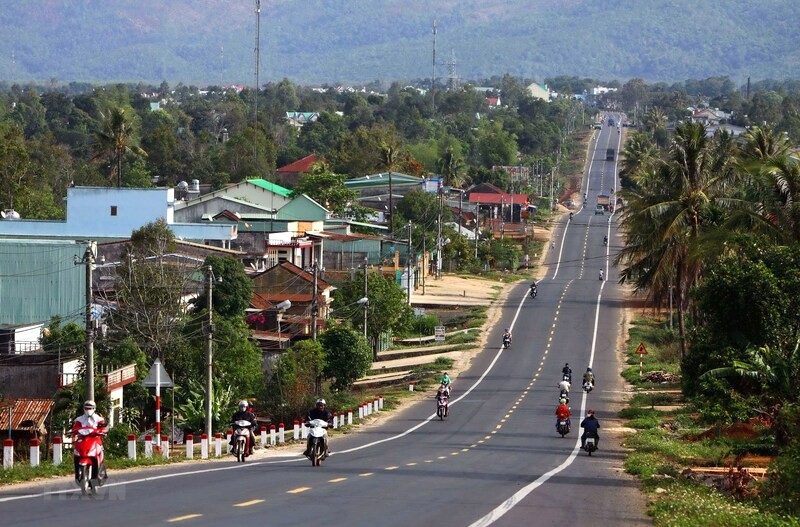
533 289
244 414
563 413
588 377
319 412
446 383
590 425
566 372
89 419
564 387
443 394
570 216
601 275
507 337
605 240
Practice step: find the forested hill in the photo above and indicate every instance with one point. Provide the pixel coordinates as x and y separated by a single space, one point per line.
315 41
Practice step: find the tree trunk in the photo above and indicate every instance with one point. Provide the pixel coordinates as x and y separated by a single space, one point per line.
681 324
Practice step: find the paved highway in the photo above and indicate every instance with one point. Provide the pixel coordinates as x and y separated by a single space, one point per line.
495 460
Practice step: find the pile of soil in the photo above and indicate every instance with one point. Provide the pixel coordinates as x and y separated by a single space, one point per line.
740 431
661 377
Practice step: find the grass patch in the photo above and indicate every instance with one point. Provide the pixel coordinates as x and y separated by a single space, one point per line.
22 471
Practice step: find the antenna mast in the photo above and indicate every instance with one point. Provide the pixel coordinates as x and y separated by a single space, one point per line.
255 98
433 75
452 76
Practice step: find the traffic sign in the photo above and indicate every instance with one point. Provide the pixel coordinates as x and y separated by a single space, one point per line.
641 349
439 333
162 380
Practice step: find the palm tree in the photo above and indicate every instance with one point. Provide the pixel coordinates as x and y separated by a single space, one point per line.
451 167
639 154
114 140
388 160
655 120
667 216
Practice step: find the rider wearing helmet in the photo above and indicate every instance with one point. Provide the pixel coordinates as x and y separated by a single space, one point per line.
588 376
590 426
563 412
244 414
89 419
507 335
318 412
566 372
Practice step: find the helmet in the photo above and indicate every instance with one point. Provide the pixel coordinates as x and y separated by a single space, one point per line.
588 369
589 412
563 401
89 404
320 402
242 405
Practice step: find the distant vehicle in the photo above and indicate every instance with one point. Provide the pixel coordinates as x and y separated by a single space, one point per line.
610 154
597 126
603 201
610 122
599 209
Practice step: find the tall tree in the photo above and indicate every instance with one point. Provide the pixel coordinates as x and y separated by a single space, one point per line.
115 139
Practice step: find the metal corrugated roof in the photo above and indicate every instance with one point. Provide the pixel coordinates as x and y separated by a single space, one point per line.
36 410
39 280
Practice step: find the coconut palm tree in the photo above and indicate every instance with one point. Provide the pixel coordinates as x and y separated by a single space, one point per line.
639 154
667 216
115 139
452 168
388 160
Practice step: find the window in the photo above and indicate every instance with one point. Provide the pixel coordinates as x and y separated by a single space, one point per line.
113 210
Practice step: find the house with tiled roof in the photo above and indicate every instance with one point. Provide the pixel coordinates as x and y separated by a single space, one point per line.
493 102
539 91
290 174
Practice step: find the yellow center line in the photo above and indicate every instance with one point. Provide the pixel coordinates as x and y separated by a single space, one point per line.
502 421
336 480
498 427
428 461
298 490
507 416
473 445
366 474
442 457
488 437
494 431
181 518
453 453
465 449
410 464
480 440
391 468
248 503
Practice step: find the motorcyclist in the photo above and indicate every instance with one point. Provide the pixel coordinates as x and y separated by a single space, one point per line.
507 336
89 419
444 394
564 387
601 274
590 426
605 240
563 413
244 414
570 216
566 372
319 412
533 289
588 376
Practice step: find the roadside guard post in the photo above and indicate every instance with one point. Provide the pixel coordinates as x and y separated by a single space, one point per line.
641 351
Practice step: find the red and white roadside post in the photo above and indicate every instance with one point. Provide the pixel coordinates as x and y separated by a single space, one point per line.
263 436
303 429
350 416
296 430
148 446
380 402
204 446
189 446
165 446
272 434
131 446
229 439
34 452
361 411
8 453
376 405
641 351
411 386
218 444
335 420
281 433
58 451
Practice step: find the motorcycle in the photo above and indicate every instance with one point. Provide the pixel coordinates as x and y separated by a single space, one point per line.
318 436
90 473
533 292
567 377
562 427
588 387
590 445
241 439
441 406
605 241
506 342
563 394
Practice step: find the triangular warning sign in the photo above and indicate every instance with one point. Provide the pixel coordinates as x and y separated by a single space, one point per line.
641 350
157 369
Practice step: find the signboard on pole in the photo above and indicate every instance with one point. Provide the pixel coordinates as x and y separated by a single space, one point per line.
641 349
439 333
157 375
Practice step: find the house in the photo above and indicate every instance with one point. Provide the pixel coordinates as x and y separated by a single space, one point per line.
252 195
107 213
274 329
290 174
493 102
24 419
374 189
501 213
539 91
298 119
710 116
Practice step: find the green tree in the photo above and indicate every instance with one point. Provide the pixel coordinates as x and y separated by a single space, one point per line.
115 139
347 356
232 288
327 189
14 162
293 385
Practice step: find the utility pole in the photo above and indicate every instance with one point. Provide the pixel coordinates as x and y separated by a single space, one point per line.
366 304
439 235
209 351
88 261
477 227
424 260
433 75
255 98
408 263
314 303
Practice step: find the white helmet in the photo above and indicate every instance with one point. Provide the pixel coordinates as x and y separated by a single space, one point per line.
243 405
321 402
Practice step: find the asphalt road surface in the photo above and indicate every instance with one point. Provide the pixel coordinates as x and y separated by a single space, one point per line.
496 460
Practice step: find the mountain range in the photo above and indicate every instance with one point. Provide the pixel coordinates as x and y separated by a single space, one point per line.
352 41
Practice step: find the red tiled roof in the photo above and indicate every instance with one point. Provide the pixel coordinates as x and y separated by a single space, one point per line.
321 284
491 199
301 165
36 410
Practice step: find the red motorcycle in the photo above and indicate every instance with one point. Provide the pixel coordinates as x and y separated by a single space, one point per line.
87 450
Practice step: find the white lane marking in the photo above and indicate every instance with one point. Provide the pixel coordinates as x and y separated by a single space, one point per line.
499 511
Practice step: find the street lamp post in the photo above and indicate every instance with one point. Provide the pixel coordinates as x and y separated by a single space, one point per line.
89 261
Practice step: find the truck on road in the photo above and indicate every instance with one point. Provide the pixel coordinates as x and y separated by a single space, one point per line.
603 200
610 154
